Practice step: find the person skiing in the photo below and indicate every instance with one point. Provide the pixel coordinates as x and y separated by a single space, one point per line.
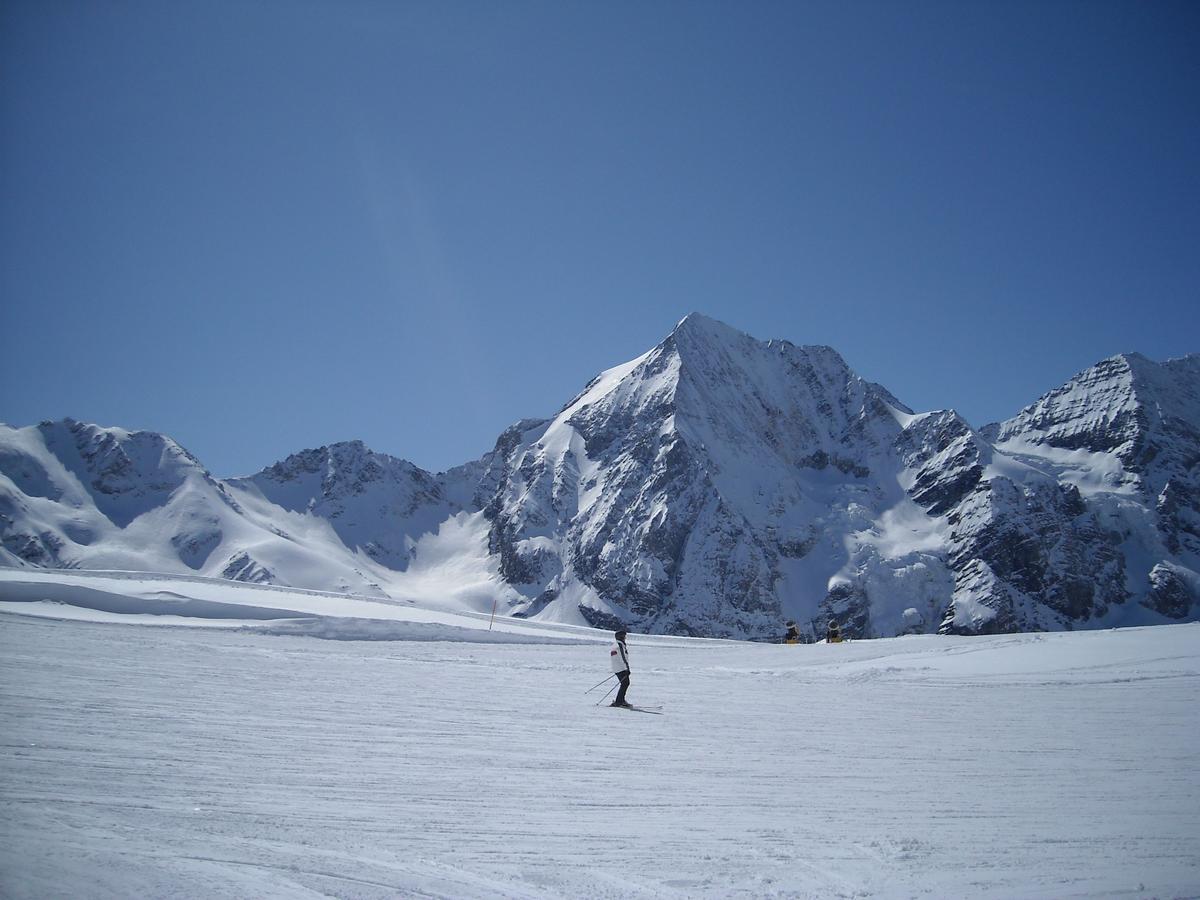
618 654
793 633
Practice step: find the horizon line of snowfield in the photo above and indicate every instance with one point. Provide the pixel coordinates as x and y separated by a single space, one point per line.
167 600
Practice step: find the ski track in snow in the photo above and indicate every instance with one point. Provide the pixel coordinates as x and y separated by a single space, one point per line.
193 762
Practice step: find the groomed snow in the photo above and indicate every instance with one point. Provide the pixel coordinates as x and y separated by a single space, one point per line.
219 762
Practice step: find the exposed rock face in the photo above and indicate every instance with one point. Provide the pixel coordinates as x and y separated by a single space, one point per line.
243 568
716 485
1033 553
1124 435
946 459
375 503
665 494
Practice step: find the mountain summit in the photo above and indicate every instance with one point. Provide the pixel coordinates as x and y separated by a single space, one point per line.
715 485
663 494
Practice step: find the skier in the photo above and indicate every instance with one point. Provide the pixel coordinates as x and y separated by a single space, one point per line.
793 633
619 656
834 634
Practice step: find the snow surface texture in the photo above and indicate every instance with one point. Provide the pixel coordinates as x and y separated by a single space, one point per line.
209 762
716 485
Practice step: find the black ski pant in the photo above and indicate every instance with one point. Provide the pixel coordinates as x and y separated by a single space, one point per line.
623 677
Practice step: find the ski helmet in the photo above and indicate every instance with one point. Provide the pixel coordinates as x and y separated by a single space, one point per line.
620 635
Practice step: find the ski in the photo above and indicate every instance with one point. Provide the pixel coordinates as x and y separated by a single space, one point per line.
653 710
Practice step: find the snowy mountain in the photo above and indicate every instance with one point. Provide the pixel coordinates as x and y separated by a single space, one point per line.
719 484
1126 435
715 485
679 492
376 504
80 496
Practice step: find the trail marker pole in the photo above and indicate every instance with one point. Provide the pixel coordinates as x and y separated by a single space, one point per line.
495 600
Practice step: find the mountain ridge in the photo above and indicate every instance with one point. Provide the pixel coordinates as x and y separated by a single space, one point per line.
714 485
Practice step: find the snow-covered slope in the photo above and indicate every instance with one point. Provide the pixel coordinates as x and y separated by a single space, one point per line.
453 762
715 485
375 503
80 496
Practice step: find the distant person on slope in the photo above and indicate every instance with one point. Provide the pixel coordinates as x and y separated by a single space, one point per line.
618 654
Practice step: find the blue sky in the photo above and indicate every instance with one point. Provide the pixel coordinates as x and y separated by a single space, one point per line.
260 227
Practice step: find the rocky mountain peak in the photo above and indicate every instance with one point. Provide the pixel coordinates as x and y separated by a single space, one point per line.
701 330
738 397
109 449
125 472
1144 413
342 469
376 503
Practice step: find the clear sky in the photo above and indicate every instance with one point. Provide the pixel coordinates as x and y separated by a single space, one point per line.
265 226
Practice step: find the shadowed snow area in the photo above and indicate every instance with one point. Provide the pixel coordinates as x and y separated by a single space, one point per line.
207 602
209 762
163 603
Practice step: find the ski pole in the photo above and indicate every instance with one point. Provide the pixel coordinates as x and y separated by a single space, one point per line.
594 686
605 697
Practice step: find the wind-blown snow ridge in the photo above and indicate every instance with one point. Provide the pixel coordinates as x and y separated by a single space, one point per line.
715 485
206 603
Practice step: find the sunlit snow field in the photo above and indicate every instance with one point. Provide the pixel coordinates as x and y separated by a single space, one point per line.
258 760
